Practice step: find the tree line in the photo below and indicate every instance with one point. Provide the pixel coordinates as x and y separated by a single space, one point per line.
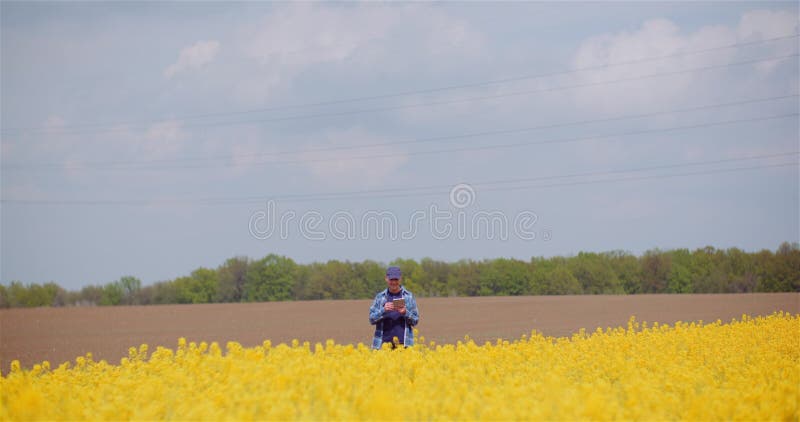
279 278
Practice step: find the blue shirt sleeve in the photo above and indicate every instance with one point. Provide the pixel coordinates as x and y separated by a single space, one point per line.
412 314
376 310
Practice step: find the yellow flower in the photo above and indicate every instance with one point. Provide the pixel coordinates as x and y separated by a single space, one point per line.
744 370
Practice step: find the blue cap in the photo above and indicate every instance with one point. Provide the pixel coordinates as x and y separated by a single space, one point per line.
393 272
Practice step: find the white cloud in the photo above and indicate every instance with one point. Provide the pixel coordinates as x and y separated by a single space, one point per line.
245 151
662 37
6 149
659 37
193 57
55 141
163 139
335 169
761 24
54 123
25 191
363 40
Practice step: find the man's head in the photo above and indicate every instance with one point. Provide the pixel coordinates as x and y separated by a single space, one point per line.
393 279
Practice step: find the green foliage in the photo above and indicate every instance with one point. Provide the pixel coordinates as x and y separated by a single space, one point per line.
628 270
200 287
414 276
31 295
112 294
463 279
277 278
784 271
232 279
165 292
504 277
595 274
327 281
436 273
679 279
656 267
270 279
124 291
90 295
130 288
562 282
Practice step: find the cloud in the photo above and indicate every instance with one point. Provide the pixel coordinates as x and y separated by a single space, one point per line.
356 44
6 149
338 171
248 150
54 139
193 57
25 191
54 123
662 37
760 24
163 139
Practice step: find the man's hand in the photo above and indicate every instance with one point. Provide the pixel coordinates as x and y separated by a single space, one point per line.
402 310
389 307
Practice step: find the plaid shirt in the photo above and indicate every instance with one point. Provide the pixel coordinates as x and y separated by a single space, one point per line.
376 317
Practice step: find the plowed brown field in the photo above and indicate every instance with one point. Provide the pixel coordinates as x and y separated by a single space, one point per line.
61 334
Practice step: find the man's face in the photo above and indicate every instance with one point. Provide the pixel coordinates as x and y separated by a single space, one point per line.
393 284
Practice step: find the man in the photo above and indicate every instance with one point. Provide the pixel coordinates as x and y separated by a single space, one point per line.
389 321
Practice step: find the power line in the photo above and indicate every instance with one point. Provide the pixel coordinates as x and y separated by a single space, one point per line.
369 194
464 149
316 196
415 92
591 182
445 102
443 138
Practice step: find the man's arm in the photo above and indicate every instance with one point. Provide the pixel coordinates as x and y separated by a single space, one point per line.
412 314
376 311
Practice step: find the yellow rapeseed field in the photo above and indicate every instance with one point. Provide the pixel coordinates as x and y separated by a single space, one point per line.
747 369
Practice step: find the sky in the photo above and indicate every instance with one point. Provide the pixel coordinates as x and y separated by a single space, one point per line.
150 139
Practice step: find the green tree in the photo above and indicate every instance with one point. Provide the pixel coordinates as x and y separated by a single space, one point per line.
595 274
353 284
199 287
463 279
165 292
437 273
779 272
31 295
742 276
414 275
371 275
112 294
54 295
710 273
561 281
787 267
540 275
504 277
4 300
680 275
232 277
130 289
326 281
90 295
270 279
656 267
628 270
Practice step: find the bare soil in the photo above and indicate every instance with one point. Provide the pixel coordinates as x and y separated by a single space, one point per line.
62 334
